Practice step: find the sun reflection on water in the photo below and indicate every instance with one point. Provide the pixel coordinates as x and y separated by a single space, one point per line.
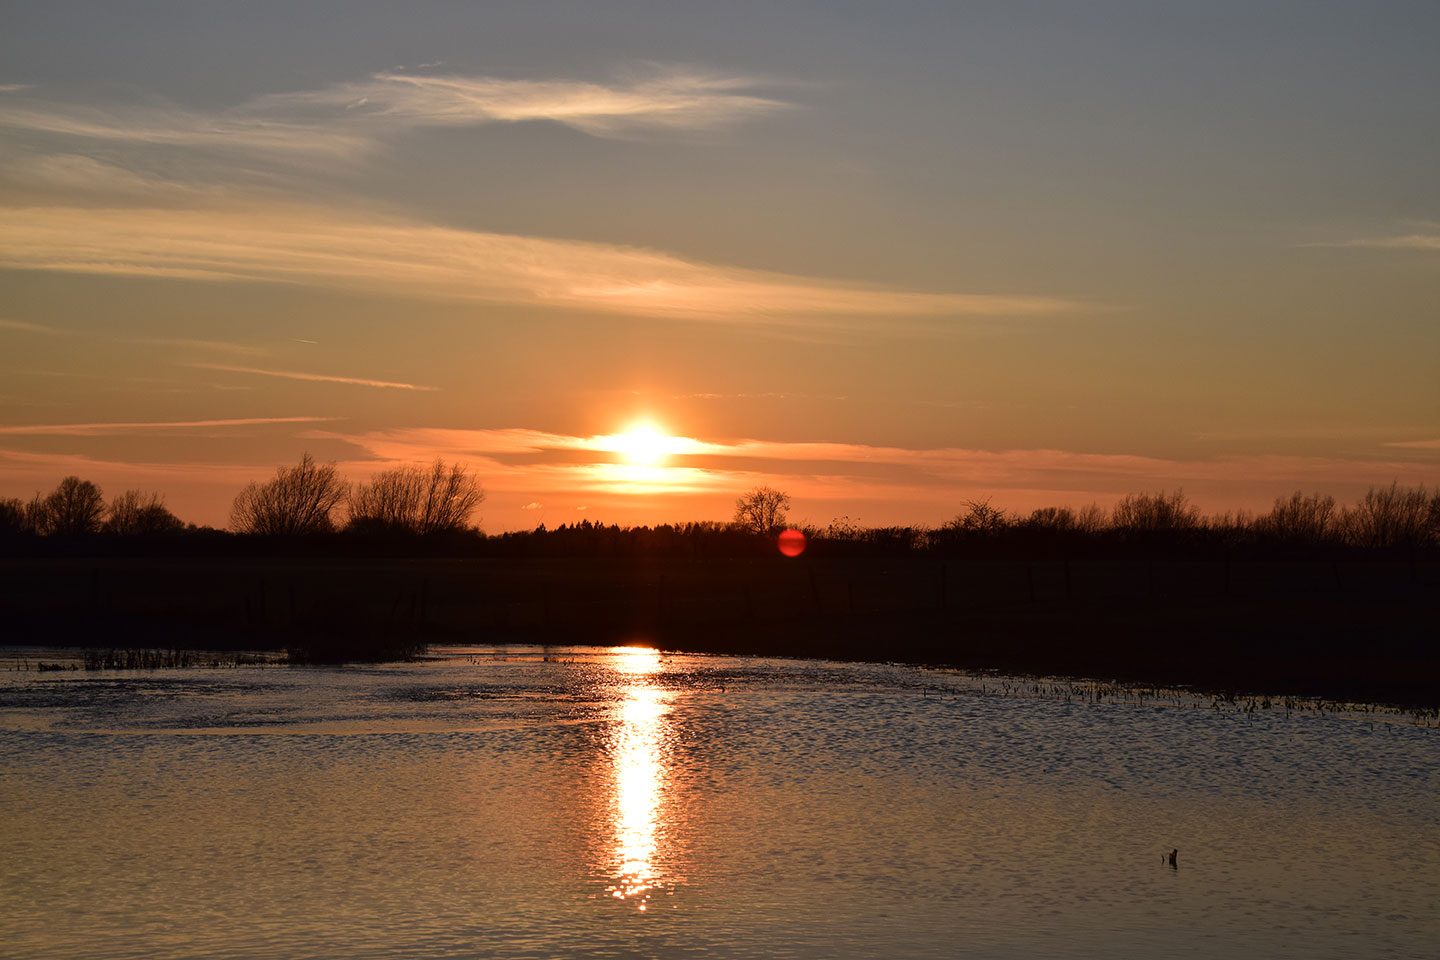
639 779
637 661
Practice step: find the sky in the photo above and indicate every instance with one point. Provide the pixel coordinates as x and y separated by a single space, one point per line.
628 260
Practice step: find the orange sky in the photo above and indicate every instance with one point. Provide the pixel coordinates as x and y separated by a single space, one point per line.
887 264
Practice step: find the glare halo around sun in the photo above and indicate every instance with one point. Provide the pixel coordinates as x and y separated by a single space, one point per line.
642 444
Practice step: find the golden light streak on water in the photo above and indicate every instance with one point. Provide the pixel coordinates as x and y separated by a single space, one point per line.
639 779
637 661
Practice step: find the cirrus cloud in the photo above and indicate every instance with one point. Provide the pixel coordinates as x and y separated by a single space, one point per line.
112 428
351 118
286 244
311 377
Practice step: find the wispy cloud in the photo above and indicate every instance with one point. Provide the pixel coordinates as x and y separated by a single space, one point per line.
149 150
318 377
663 98
220 346
230 132
189 343
1412 241
74 174
344 120
108 429
1416 444
305 245
39 328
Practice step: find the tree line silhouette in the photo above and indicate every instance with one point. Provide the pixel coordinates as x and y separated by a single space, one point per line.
311 500
76 508
304 500
1310 596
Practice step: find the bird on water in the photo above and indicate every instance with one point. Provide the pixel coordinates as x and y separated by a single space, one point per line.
1170 859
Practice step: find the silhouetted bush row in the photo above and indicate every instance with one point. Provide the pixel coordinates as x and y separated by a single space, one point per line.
76 508
307 498
414 510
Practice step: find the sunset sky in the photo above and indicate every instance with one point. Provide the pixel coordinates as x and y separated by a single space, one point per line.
885 257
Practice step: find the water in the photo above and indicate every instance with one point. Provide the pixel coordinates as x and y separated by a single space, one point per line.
617 803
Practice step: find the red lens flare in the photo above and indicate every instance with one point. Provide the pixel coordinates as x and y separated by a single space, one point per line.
792 543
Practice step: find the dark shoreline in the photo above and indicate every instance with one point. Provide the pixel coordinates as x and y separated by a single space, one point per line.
1357 632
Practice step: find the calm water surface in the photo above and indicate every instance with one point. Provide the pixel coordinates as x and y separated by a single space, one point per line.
617 803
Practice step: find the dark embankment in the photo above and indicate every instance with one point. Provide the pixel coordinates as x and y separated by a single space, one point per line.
1353 629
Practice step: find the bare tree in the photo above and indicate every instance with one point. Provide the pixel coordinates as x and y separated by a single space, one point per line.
74 507
1302 519
12 517
1156 513
416 499
1392 516
450 497
1092 519
299 500
137 514
1057 519
1087 520
980 517
37 515
761 510
388 502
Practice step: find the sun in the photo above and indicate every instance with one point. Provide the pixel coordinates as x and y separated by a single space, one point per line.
642 444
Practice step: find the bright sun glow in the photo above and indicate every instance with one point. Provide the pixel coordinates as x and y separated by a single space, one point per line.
648 460
643 445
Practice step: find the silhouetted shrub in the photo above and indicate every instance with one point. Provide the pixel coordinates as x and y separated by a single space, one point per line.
1086 520
1057 519
1302 519
979 517
1155 513
891 539
136 514
300 500
1393 516
12 517
413 499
